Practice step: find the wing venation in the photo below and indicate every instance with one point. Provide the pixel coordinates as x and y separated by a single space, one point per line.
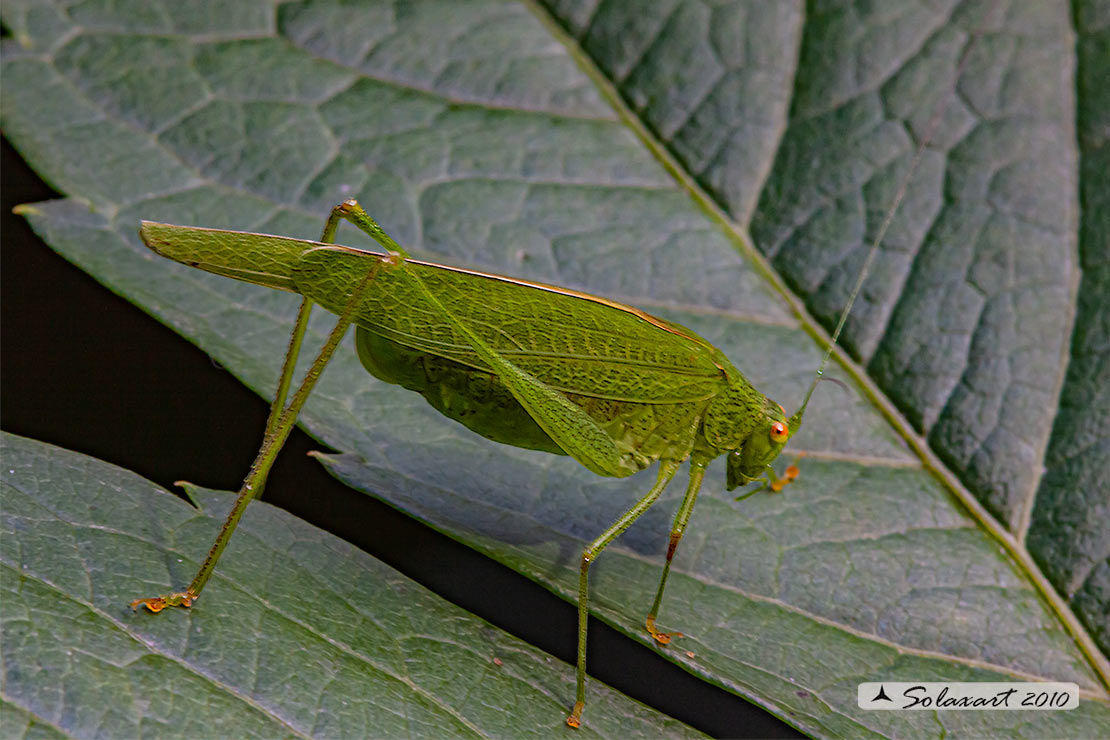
573 342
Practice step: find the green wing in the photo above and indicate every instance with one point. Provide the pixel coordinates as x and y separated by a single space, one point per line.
479 400
640 382
575 343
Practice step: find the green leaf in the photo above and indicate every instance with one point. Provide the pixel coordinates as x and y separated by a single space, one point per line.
469 131
1069 532
322 640
985 235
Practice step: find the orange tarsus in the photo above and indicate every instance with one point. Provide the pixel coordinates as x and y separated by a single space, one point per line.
789 476
792 470
158 603
663 638
155 605
574 720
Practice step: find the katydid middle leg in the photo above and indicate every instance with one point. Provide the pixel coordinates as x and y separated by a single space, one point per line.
697 473
667 469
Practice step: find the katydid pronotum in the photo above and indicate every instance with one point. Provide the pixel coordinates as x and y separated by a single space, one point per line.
612 386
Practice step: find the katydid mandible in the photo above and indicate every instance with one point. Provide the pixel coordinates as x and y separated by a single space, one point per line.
612 386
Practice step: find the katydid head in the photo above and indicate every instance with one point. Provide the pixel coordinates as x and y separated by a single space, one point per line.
762 446
773 430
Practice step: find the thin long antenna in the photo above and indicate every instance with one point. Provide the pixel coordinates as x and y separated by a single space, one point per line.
903 186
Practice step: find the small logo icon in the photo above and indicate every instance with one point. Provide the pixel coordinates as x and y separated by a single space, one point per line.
882 694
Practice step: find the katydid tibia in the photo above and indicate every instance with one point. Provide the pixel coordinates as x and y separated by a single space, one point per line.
613 387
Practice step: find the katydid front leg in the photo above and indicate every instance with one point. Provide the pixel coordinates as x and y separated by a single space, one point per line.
280 422
771 480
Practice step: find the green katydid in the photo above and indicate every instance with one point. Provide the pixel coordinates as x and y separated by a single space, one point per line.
560 371
613 387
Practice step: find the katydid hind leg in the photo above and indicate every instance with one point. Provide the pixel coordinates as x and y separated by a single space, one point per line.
288 365
279 425
354 213
296 338
682 518
667 470
579 435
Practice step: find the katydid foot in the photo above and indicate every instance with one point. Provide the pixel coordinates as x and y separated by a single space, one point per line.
575 718
158 603
773 482
662 638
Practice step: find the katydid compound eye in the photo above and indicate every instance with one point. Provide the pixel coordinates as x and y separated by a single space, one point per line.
779 432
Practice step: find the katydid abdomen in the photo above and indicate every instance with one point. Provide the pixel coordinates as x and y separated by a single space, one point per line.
474 398
478 400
